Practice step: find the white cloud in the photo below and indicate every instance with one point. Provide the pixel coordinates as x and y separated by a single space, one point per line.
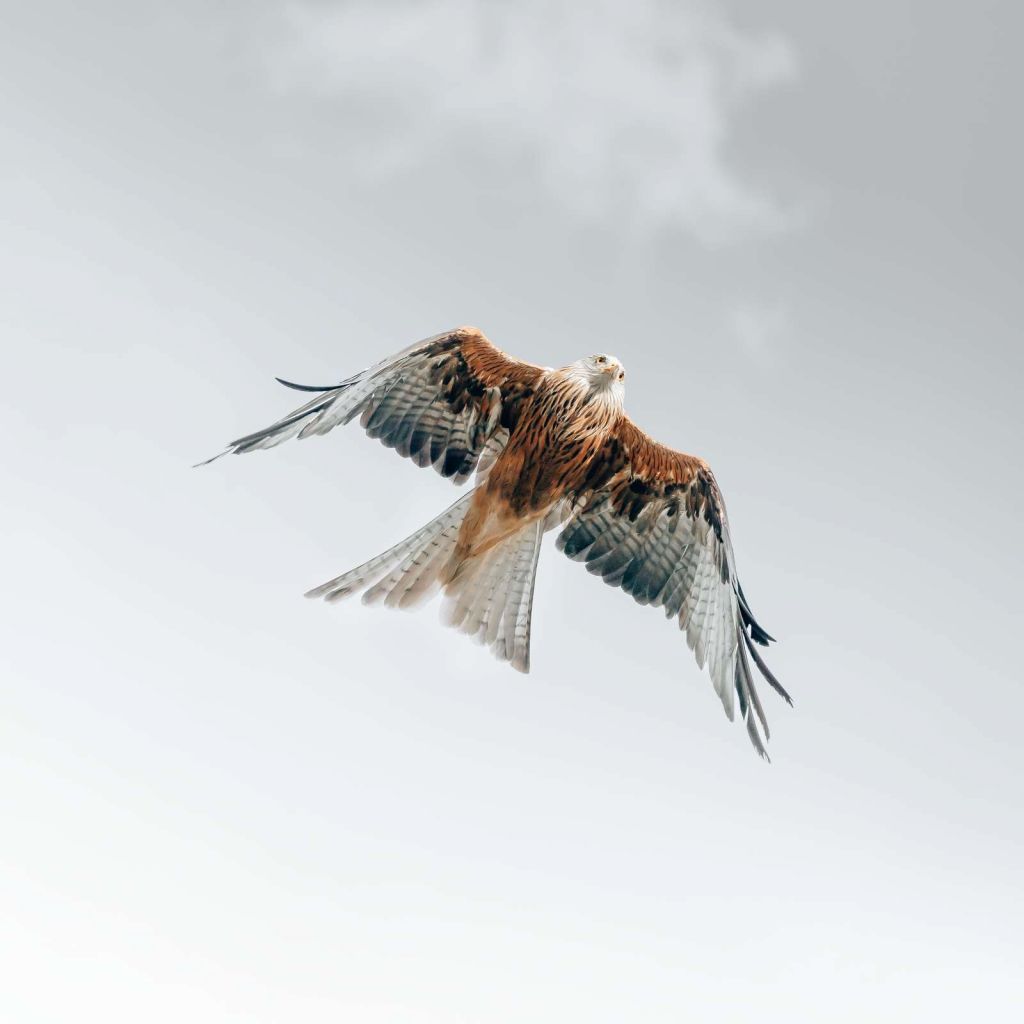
621 109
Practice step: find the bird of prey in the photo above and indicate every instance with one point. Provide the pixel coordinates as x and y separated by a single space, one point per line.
548 448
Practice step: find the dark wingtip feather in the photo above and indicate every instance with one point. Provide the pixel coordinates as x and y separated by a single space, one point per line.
213 458
765 671
757 632
305 387
755 737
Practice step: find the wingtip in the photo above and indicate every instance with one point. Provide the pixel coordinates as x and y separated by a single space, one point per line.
757 632
764 670
305 387
755 737
213 458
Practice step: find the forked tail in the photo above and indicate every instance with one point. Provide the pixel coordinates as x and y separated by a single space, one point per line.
489 596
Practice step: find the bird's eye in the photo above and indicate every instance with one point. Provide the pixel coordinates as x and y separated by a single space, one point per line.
622 374
601 360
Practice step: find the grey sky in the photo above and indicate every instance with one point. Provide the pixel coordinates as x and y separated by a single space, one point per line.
800 228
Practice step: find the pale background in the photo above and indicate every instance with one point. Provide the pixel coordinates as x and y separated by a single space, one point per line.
799 225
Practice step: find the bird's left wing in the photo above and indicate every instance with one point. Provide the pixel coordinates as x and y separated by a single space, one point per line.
450 402
652 521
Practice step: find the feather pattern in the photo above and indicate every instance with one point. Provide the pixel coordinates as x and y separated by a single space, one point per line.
442 402
491 600
417 555
548 448
652 521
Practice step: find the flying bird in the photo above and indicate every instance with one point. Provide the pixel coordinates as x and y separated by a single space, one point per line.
549 449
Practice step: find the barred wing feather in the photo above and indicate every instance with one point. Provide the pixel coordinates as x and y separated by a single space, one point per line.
652 522
449 402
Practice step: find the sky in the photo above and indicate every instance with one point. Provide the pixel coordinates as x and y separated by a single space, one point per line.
799 226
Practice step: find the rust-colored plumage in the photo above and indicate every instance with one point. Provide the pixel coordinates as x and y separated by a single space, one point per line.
549 448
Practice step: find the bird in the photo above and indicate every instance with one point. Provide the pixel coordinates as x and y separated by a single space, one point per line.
548 449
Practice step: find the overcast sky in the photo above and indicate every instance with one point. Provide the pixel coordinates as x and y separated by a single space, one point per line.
799 226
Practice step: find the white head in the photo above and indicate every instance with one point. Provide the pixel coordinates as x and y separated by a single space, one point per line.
602 374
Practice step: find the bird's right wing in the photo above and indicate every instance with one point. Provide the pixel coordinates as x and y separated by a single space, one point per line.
652 521
450 402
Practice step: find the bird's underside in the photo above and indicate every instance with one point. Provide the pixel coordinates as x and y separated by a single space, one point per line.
549 449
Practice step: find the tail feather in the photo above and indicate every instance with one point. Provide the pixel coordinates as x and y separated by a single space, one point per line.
491 598
418 577
464 595
515 643
488 596
484 611
387 571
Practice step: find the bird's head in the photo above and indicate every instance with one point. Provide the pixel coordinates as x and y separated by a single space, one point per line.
603 374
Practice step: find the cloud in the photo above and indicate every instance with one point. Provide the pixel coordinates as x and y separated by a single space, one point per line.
620 110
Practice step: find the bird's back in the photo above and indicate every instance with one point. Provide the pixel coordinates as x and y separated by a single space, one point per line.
558 435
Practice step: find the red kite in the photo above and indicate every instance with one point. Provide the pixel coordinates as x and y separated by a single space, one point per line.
549 448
